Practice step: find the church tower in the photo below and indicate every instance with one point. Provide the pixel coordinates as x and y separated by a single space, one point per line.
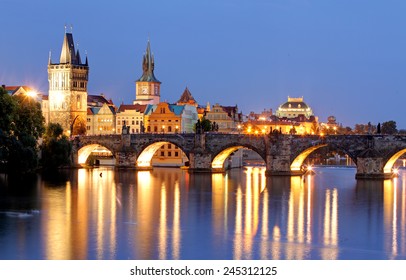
68 89
147 88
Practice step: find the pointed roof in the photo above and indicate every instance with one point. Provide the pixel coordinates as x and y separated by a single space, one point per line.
68 53
148 67
79 60
187 98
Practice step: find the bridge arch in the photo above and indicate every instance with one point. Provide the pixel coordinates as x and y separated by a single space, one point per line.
388 167
85 151
144 159
220 157
297 162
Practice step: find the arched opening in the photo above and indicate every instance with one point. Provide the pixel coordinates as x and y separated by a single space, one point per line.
327 156
236 156
95 154
298 161
78 127
162 154
388 168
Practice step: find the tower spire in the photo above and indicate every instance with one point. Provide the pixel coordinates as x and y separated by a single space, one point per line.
49 58
68 54
148 66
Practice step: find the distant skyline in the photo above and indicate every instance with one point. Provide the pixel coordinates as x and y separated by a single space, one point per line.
346 58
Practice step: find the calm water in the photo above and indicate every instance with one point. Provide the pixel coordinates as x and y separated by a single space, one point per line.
170 214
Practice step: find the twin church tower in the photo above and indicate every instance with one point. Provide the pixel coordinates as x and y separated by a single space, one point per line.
67 99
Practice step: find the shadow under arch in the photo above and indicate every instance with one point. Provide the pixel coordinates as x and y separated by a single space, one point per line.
387 169
219 159
85 151
144 160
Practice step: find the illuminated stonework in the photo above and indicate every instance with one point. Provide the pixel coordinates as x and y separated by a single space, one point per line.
68 89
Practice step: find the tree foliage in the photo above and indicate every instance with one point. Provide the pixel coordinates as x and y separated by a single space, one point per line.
56 148
389 127
21 125
203 124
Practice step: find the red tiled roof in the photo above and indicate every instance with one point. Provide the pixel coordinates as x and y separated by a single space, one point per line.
136 107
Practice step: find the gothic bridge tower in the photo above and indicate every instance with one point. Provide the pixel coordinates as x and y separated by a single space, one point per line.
147 88
68 89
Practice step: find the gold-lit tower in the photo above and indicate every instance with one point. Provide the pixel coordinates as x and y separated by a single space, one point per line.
68 89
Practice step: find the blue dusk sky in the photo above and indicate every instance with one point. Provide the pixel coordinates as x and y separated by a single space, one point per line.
347 58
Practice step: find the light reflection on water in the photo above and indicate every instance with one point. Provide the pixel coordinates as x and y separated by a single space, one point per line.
171 214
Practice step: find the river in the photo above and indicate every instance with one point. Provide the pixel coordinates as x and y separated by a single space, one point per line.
167 213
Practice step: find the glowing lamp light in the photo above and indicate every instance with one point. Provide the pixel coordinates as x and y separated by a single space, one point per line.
32 94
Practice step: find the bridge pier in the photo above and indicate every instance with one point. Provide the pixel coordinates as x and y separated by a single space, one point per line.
200 162
126 159
278 158
372 168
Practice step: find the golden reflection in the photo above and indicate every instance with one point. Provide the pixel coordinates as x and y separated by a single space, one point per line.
86 197
159 199
295 226
238 240
330 225
58 225
276 246
309 209
390 216
265 224
176 238
145 213
163 225
220 203
403 214
248 213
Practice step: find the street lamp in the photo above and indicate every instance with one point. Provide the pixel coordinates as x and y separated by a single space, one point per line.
33 94
176 128
163 129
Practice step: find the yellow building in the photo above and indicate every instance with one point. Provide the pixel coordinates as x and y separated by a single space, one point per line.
225 118
169 118
101 120
131 116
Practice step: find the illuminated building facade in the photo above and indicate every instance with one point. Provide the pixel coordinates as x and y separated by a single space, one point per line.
226 118
169 118
131 116
293 108
67 99
293 116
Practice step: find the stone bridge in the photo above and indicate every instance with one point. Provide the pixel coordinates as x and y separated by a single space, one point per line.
374 155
